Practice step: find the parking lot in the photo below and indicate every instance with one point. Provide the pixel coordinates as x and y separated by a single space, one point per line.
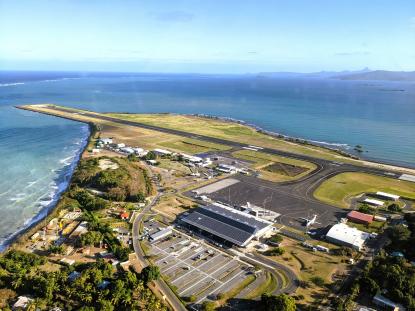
196 269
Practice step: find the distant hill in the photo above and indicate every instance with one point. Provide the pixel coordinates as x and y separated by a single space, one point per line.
320 74
380 75
363 75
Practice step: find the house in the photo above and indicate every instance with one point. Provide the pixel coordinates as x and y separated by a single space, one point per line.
124 215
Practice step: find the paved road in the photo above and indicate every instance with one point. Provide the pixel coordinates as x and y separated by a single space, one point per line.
165 290
322 165
271 266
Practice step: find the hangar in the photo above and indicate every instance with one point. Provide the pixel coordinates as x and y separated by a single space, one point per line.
342 234
227 224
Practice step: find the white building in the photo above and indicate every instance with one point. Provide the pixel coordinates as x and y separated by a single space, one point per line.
260 212
161 234
127 150
162 152
342 234
387 196
229 169
374 202
106 141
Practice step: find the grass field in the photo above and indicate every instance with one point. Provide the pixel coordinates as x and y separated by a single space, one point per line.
193 146
262 161
307 264
173 205
267 287
226 130
339 189
375 226
199 126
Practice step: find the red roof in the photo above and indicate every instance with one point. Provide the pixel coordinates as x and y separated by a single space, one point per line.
355 215
124 215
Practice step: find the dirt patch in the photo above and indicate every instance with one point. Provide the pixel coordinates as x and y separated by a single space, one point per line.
107 164
285 169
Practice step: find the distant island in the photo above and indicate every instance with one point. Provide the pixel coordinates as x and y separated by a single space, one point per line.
364 75
381 75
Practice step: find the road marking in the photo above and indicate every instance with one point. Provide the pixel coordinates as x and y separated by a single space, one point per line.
216 289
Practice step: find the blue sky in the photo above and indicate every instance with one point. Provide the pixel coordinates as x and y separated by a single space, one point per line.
223 36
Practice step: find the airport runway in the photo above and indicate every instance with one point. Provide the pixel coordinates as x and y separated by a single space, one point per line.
293 200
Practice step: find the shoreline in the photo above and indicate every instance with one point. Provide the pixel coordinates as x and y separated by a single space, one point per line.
305 142
365 162
49 209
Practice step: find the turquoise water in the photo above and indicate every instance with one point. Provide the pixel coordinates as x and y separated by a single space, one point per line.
37 151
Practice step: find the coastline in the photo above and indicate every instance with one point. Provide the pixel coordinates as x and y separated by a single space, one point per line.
49 209
302 141
378 163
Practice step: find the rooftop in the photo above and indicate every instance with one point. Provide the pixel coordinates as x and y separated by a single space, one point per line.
233 226
346 234
360 216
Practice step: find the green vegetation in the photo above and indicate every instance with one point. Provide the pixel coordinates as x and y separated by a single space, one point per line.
56 249
150 273
317 280
96 286
281 302
276 238
229 131
339 189
275 251
128 182
394 207
389 272
275 168
208 306
193 146
91 238
266 287
375 226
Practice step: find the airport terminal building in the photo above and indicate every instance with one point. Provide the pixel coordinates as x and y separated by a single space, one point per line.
227 225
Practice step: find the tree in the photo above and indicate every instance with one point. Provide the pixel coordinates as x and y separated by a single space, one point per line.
319 281
399 233
276 238
151 155
394 208
90 238
281 302
150 273
208 306
364 208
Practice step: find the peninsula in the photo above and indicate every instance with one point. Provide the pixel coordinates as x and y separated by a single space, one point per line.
179 211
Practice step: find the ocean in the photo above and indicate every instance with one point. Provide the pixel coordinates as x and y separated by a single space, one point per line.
37 152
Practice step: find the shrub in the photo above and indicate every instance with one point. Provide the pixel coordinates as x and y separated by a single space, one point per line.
319 281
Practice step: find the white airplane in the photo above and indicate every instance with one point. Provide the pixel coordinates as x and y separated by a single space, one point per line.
311 221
